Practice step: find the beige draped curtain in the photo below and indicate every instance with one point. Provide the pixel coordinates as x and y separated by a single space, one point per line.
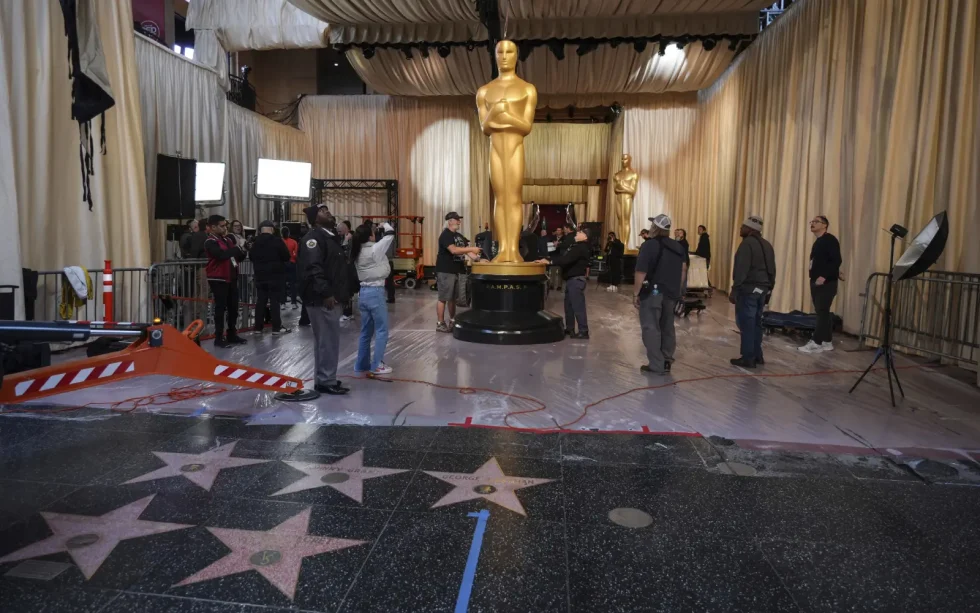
617 72
555 194
256 24
183 110
49 225
566 151
866 112
433 147
396 21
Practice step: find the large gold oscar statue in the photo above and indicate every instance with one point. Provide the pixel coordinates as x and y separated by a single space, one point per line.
625 188
506 106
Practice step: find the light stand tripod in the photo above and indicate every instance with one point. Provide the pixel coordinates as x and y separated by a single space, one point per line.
885 349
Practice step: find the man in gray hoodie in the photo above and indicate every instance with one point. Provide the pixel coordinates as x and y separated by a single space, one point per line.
753 279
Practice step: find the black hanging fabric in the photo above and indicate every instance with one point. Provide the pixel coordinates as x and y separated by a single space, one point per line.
90 92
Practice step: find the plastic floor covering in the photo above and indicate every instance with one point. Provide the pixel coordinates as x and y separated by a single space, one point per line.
794 401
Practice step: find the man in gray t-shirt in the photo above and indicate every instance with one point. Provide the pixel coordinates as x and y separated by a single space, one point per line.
661 268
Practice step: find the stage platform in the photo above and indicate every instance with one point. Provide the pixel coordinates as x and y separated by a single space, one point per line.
795 401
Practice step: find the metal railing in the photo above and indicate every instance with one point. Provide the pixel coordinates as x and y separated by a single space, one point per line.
179 293
128 298
934 314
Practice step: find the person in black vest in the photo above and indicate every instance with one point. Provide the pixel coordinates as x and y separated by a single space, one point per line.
222 272
574 263
323 286
614 258
269 257
661 267
825 262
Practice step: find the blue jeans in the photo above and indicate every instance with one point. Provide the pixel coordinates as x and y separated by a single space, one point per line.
374 322
748 316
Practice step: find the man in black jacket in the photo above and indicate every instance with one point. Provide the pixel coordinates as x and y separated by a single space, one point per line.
323 285
574 263
269 256
660 275
753 279
704 245
825 261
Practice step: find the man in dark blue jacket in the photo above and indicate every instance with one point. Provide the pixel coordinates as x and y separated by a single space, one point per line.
323 286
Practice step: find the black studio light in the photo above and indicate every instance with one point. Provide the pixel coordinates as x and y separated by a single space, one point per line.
443 50
708 44
639 46
922 253
368 52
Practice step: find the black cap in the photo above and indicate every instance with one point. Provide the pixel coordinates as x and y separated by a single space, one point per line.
267 224
453 215
312 210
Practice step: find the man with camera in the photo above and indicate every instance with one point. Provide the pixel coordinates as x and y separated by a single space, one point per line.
753 279
451 270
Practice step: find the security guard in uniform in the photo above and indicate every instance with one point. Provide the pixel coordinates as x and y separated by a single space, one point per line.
322 272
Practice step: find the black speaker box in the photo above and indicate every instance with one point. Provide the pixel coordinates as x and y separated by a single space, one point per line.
175 187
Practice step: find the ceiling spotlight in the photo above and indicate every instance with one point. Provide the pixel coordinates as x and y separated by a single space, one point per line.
425 50
524 51
368 52
733 44
681 42
470 46
708 44
443 50
662 50
408 53
639 46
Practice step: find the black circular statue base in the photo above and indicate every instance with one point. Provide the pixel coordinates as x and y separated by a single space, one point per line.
508 310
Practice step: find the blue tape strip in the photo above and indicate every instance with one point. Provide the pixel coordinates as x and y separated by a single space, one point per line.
466 588
199 412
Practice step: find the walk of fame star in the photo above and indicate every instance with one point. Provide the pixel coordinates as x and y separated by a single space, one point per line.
487 483
200 468
276 554
90 539
346 476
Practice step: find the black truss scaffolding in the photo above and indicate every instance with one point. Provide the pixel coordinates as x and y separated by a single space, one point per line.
389 185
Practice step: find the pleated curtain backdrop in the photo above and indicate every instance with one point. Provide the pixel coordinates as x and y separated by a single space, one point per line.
433 147
184 111
866 112
566 151
49 225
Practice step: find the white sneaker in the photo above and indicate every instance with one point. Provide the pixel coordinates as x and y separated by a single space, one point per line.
382 369
826 346
811 347
345 318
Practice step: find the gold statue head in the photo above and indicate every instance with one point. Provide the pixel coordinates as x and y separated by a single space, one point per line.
506 53
626 160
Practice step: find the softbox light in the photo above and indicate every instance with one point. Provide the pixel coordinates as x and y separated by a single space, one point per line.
209 183
283 180
924 250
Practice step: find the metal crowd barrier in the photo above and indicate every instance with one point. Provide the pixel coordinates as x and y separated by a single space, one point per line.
935 314
179 294
128 298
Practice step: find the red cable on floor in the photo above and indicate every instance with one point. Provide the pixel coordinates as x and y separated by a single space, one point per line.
175 395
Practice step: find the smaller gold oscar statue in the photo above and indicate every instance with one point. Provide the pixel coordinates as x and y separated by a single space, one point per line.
625 188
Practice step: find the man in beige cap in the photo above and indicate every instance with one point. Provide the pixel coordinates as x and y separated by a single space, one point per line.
753 279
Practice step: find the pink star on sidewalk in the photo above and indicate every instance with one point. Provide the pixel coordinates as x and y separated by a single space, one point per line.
276 554
488 483
346 476
90 539
200 468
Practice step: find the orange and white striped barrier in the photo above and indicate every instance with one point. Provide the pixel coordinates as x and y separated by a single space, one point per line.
107 300
162 350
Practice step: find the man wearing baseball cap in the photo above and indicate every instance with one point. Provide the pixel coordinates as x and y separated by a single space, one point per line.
753 279
661 268
450 266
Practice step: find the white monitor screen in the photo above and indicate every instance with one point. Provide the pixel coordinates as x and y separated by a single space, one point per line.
283 180
209 182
